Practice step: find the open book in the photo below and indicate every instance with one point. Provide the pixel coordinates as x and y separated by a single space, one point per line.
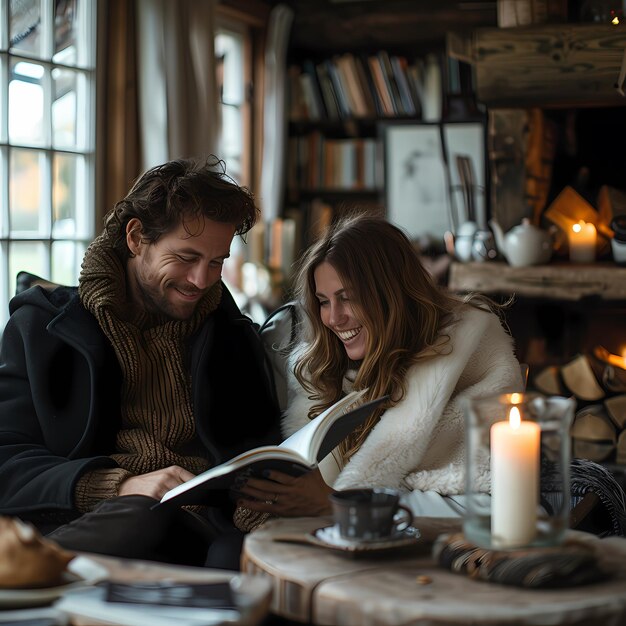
296 455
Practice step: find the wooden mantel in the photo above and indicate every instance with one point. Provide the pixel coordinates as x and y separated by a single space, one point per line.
556 281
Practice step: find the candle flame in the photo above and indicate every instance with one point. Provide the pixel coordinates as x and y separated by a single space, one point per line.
578 227
515 419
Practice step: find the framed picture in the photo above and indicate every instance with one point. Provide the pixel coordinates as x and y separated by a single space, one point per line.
416 180
464 146
435 176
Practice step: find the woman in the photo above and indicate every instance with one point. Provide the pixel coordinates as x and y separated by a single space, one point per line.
375 319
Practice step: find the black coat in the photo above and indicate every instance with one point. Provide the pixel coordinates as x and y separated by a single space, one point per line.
60 397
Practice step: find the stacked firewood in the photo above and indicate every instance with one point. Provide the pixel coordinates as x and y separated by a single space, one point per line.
598 383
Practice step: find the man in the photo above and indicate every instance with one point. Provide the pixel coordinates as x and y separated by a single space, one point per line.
114 392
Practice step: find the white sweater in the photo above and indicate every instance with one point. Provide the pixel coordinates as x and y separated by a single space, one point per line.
420 442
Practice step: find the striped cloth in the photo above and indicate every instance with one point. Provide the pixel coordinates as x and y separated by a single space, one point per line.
587 476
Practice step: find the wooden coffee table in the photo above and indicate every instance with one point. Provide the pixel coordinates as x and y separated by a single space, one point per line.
321 586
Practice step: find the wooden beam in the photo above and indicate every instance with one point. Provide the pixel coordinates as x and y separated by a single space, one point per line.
550 65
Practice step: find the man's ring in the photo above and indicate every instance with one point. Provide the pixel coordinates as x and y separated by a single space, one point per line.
274 500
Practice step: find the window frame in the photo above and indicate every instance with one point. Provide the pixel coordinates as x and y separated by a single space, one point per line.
83 184
227 23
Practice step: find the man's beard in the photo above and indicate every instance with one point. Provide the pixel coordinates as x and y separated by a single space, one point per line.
157 303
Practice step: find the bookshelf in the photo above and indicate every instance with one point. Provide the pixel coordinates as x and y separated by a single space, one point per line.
339 103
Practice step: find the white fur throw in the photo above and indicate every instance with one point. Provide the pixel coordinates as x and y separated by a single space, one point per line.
420 442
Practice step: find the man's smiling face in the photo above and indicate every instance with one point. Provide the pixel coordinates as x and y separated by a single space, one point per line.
171 275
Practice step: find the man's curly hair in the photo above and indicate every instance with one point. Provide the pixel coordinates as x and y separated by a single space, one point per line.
177 192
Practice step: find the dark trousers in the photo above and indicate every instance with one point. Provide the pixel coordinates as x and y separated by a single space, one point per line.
129 527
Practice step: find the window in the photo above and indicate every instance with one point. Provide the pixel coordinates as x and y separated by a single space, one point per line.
47 137
232 50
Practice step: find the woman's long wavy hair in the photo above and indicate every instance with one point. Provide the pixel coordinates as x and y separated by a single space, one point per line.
394 297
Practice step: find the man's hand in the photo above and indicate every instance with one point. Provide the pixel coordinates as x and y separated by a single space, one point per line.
154 484
287 496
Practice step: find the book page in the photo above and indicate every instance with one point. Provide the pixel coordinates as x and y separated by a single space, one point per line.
306 440
253 461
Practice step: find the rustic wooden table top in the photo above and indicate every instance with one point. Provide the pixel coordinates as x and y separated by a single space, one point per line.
317 585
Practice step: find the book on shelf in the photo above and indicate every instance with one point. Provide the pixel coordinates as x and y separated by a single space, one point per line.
347 173
318 162
296 455
372 165
381 86
390 81
328 165
415 78
399 66
319 218
314 88
296 215
315 159
338 87
367 85
328 92
348 71
297 106
311 98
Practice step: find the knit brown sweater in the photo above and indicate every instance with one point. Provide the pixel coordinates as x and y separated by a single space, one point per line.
156 412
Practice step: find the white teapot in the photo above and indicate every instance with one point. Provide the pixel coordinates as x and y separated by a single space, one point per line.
525 244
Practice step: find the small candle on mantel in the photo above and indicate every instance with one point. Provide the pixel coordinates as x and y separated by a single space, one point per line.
582 242
514 480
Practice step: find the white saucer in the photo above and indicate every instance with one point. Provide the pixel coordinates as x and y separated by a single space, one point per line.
329 537
81 572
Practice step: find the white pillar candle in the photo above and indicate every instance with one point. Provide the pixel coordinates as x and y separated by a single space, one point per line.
582 242
514 481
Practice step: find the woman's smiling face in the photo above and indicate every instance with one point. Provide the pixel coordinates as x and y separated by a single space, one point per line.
337 312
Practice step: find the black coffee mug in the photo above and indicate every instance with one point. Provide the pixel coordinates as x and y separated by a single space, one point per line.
369 514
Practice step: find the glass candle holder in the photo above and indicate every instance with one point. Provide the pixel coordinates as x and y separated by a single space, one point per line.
518 470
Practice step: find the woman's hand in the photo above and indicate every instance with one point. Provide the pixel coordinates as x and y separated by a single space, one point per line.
286 496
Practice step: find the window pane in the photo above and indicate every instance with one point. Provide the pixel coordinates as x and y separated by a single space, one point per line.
66 260
4 60
229 45
26 103
4 196
28 256
72 204
64 196
65 32
64 108
231 49
24 29
73 33
25 191
232 135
